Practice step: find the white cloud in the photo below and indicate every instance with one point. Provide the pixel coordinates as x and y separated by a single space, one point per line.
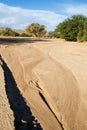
76 9
17 17
8 20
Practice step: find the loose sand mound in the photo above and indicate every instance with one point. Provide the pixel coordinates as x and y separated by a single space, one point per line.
51 77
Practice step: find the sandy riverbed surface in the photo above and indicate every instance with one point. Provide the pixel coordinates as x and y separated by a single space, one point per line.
48 78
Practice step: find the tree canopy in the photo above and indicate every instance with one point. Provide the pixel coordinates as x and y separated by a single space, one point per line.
36 30
73 29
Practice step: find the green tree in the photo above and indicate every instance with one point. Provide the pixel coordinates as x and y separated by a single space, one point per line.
36 30
80 35
85 32
72 29
8 32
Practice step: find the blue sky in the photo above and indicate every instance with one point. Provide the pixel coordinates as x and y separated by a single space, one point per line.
20 13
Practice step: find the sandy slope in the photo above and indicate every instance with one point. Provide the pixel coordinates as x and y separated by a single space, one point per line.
60 68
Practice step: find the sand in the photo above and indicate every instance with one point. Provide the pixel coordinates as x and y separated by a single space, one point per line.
6 114
51 78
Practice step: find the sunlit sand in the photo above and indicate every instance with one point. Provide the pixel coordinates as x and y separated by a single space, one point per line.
51 75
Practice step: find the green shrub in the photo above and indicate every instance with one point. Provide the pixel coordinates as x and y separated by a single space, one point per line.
8 32
73 29
36 30
25 35
52 34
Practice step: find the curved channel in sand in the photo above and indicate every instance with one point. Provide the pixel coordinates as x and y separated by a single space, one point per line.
61 101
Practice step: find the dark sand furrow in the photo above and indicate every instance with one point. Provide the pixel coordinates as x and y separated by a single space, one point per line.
24 120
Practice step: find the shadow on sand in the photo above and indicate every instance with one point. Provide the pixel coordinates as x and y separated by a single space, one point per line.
23 118
15 40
